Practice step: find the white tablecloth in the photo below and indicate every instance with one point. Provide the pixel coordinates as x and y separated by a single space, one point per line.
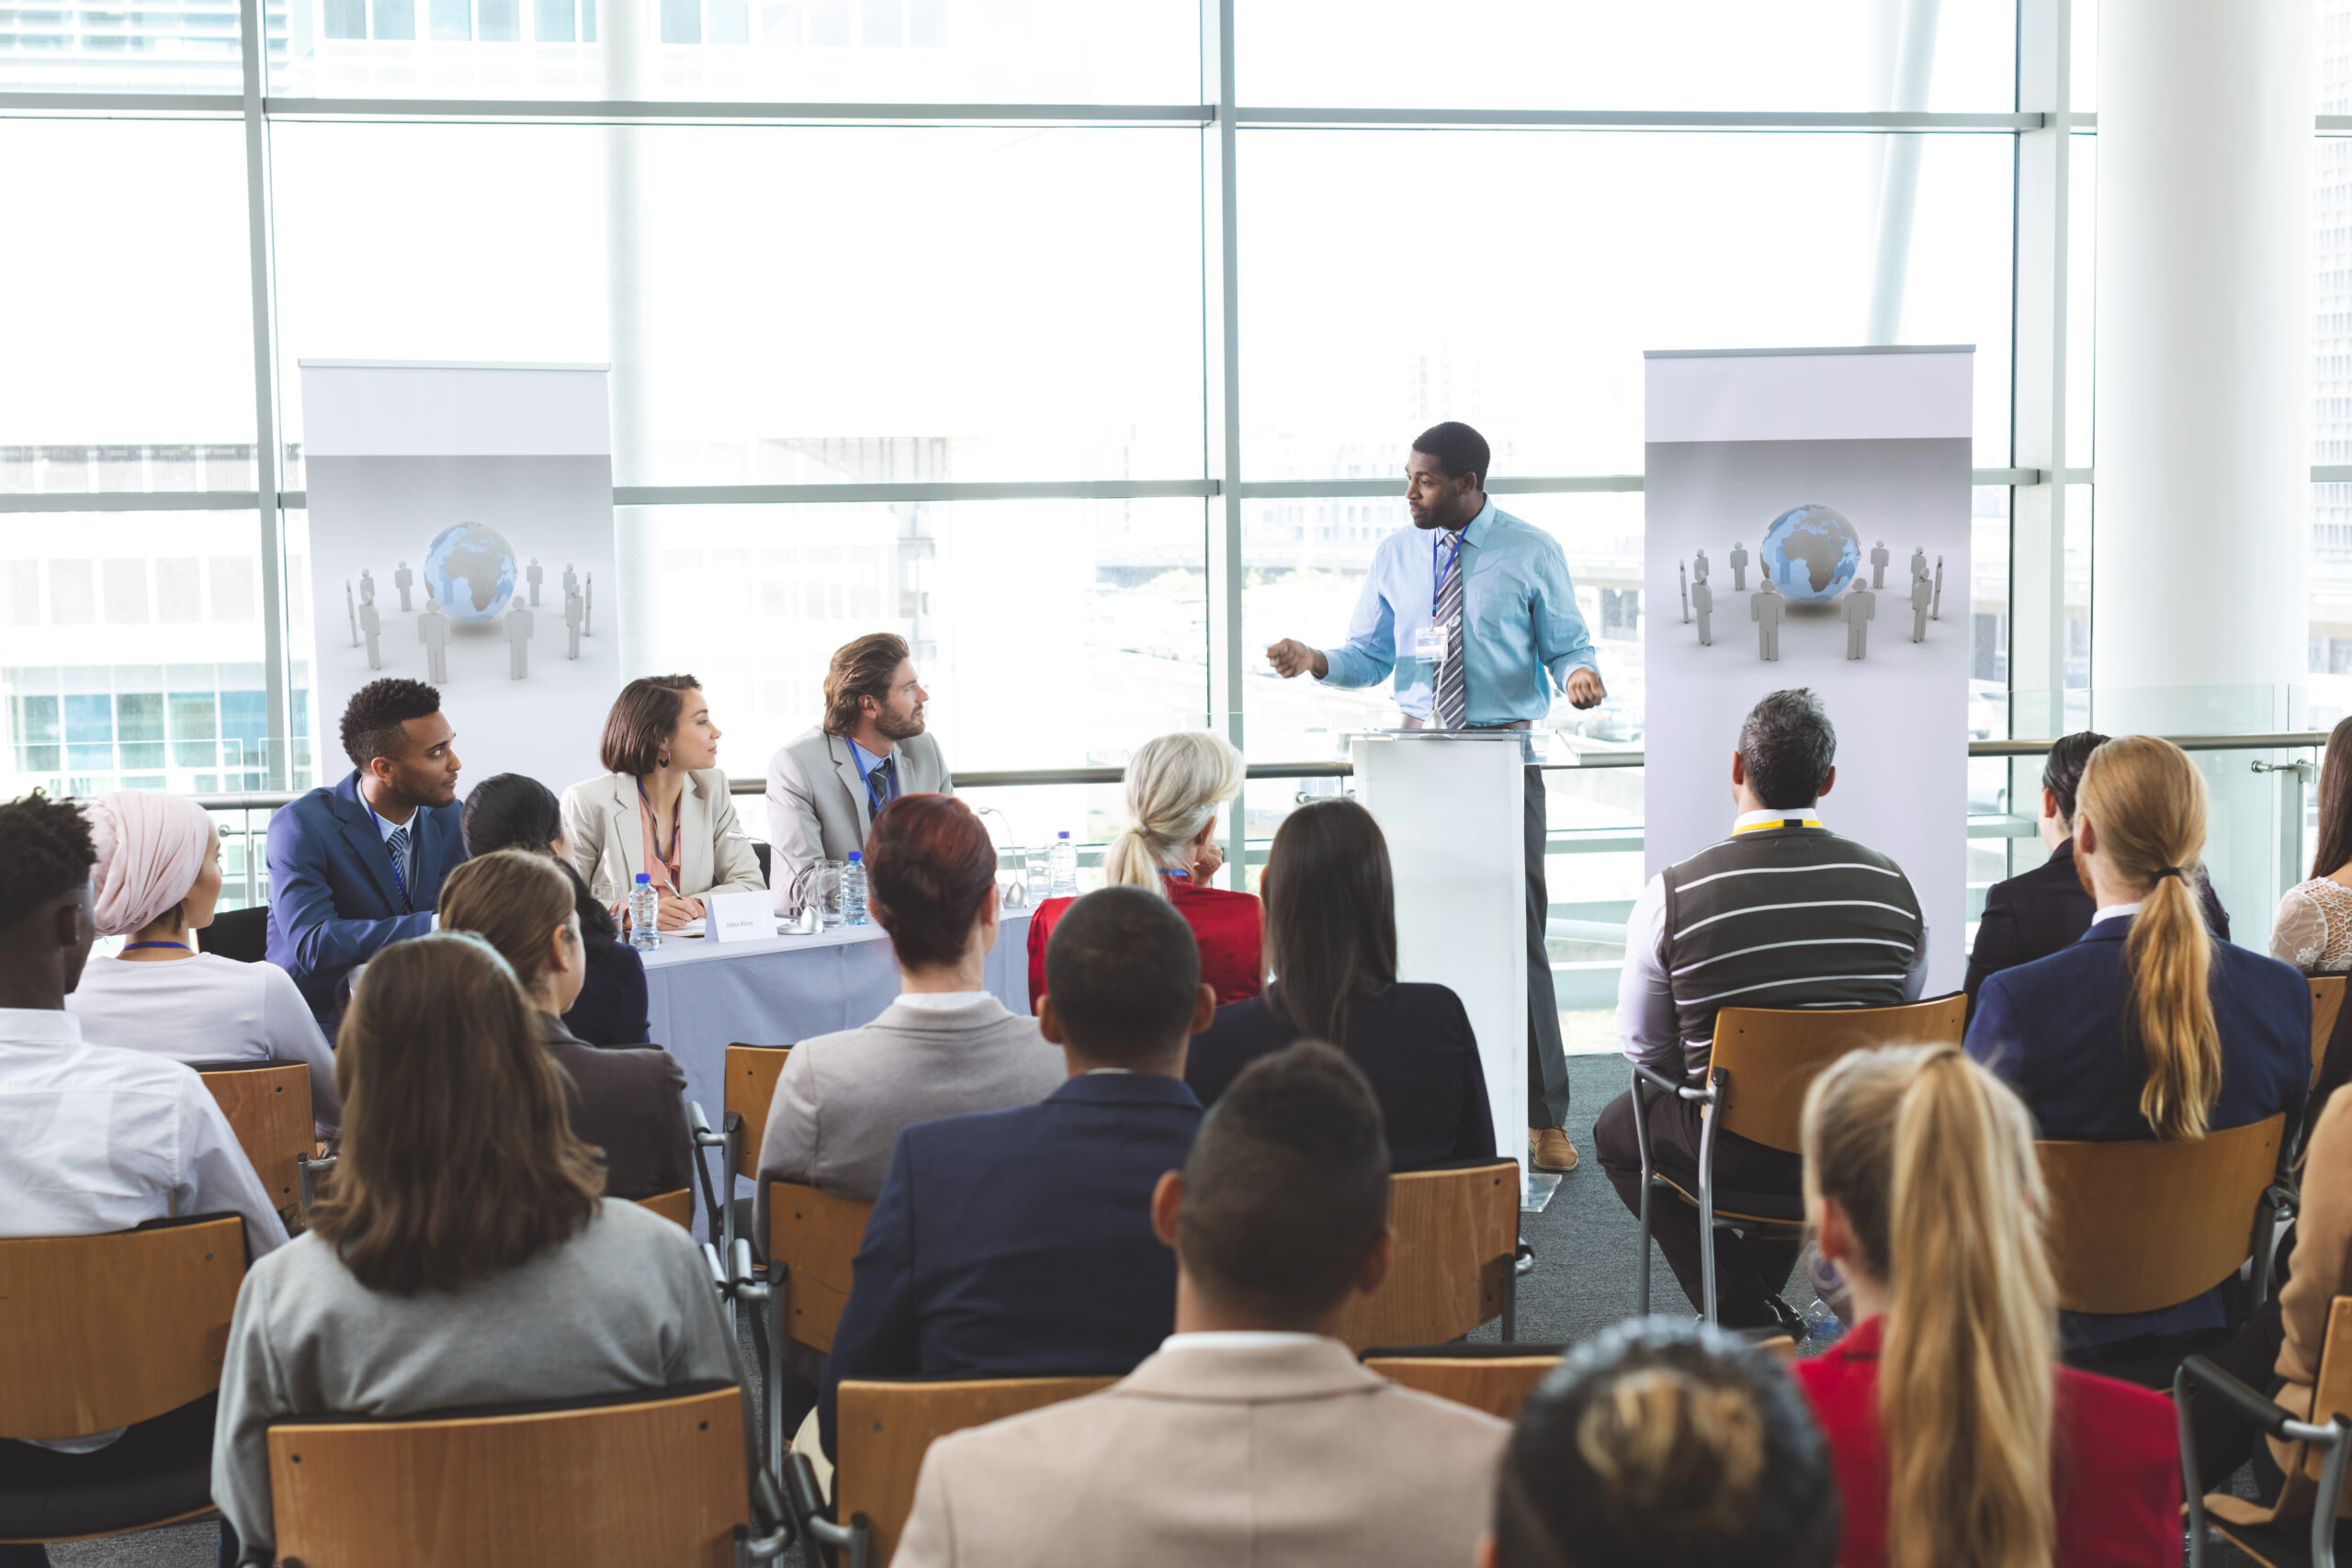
704 996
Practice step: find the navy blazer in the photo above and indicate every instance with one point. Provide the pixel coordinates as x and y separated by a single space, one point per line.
1019 1243
333 901
2038 913
2055 1030
612 1006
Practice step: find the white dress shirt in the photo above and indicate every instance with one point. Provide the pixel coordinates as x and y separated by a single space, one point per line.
943 1001
2114 912
1649 1030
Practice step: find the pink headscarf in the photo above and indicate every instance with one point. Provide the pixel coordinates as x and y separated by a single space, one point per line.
150 847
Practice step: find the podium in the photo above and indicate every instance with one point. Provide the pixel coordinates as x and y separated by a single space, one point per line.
1452 804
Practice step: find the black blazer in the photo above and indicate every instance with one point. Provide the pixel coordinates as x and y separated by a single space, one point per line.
2039 912
1414 1042
612 1009
631 1105
1019 1243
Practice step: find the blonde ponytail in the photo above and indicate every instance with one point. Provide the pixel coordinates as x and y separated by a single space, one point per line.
1175 784
2145 802
1931 1159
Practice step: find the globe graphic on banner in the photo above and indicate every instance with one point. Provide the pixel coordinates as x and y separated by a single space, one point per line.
470 568
1810 552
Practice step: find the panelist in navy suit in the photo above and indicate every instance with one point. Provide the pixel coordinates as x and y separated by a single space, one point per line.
1018 1243
358 865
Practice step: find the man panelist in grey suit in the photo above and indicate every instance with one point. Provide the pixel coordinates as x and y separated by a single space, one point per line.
825 787
1252 1435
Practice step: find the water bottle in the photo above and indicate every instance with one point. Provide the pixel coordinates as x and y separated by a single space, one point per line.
1825 1320
644 915
854 890
1064 863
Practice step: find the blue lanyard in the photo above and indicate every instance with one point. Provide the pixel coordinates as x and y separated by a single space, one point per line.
132 946
1437 585
873 796
399 880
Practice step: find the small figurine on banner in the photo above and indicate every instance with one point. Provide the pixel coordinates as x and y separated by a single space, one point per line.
1879 558
404 578
1936 612
1766 610
1682 575
433 631
1702 599
371 622
1738 566
1861 609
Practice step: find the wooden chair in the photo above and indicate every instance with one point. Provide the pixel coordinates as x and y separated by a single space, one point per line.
2135 1226
752 1072
1763 1060
660 1477
885 1428
678 1207
104 1331
268 1107
2303 1526
2327 1000
1496 1378
813 1239
1457 1241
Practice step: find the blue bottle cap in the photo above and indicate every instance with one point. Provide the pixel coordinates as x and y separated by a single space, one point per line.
856 854
644 878
1065 833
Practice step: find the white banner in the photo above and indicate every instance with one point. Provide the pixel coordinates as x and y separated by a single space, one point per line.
461 533
1827 492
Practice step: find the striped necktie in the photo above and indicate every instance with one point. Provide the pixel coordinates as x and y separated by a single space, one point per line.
1453 700
397 845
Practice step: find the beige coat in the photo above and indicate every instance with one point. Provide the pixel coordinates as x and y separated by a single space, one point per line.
1283 1454
607 841
818 807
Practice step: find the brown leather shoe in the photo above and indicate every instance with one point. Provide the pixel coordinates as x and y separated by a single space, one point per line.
1549 1149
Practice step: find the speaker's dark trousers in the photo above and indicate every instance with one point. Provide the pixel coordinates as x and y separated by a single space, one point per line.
1547 1064
1748 1269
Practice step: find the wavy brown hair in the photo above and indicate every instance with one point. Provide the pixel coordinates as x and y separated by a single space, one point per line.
459 1159
513 900
2335 851
859 670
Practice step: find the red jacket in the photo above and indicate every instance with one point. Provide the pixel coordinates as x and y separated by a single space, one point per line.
1228 927
2116 1458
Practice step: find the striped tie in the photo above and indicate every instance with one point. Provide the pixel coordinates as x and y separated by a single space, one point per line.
1453 703
397 843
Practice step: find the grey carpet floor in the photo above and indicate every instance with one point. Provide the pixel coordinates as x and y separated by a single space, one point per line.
1583 1281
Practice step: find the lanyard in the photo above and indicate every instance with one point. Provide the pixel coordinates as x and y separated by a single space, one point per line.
669 857
130 946
1439 573
399 879
873 791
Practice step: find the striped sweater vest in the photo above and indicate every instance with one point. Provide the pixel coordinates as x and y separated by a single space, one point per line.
1779 917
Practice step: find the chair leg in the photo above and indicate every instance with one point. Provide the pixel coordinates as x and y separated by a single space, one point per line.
1711 1307
2184 1397
772 1394
1641 1143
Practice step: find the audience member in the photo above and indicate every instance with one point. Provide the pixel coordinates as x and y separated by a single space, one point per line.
1957 1439
2148 1027
1332 942
1278 1218
156 882
514 811
1834 924
356 865
92 1138
944 1047
1019 1241
826 787
2313 931
625 1103
1665 1445
661 810
463 1255
1175 784
2276 1352
2035 913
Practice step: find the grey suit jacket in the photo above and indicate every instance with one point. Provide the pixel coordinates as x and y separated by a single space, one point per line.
816 803
600 822
843 1098
1285 1453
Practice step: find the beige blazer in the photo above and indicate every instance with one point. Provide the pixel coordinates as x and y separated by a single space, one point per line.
1285 1453
607 843
818 807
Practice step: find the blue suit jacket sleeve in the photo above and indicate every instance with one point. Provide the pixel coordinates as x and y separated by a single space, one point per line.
877 1334
1994 1034
303 884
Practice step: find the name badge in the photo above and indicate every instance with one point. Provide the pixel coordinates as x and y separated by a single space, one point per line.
739 917
1429 643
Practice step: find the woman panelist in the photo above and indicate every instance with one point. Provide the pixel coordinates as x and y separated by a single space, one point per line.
662 809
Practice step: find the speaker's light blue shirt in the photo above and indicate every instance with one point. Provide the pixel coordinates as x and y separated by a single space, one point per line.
1521 635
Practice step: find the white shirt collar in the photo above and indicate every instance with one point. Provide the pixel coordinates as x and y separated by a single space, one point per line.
39 1026
1808 815
2113 912
1236 1339
942 1002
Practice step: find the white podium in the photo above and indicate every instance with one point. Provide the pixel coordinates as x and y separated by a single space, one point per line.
1452 804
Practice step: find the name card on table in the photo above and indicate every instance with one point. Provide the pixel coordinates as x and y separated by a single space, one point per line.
739 917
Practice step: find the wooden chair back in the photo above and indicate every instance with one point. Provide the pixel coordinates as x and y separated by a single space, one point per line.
1496 1384
678 1207
885 1428
1769 1057
2331 1396
1457 1241
815 1236
268 1107
659 1480
2135 1226
103 1331
2327 1000
752 1072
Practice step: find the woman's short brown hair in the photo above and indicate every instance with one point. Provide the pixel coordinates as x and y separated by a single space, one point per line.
861 669
929 871
512 899
459 1159
643 718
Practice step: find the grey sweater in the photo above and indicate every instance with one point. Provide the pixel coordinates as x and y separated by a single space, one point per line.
625 1304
